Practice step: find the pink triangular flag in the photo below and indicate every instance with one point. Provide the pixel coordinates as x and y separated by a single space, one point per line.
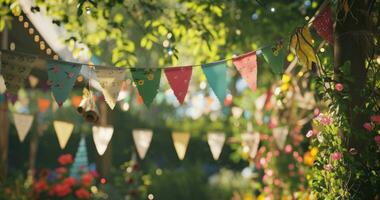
247 66
323 24
179 79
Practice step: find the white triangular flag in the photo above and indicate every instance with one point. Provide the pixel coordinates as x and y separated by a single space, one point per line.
110 81
250 143
23 124
180 141
2 85
216 141
63 130
142 139
280 134
102 136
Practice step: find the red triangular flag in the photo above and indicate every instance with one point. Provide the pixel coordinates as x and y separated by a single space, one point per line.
247 66
179 79
323 24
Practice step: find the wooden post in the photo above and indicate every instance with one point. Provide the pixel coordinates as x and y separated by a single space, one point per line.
4 122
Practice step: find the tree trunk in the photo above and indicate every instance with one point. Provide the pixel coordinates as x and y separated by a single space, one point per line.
4 122
104 162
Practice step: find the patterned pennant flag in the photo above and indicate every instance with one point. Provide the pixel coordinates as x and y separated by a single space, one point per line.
301 45
110 80
23 124
15 68
63 130
323 24
216 74
279 135
275 57
247 66
62 77
142 139
3 87
80 164
147 82
216 142
250 143
179 79
102 136
180 140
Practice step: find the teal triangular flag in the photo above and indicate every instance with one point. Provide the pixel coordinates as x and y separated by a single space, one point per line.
62 77
80 164
274 56
147 82
216 74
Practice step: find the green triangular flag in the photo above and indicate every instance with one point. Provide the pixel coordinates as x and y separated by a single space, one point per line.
216 74
80 164
274 56
147 82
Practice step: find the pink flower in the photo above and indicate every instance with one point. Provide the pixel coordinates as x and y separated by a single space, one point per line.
310 133
288 148
377 139
375 119
368 126
291 166
324 119
316 112
327 167
339 87
336 156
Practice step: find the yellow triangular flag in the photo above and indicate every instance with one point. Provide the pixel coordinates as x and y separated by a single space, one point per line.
250 143
23 124
63 130
2 85
33 81
301 44
216 142
102 136
180 140
279 135
110 81
142 139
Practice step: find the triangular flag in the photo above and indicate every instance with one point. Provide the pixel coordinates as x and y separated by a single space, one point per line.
180 140
142 139
216 142
247 66
23 124
250 143
179 79
110 80
102 136
279 135
62 77
63 130
80 164
301 44
275 57
323 24
15 68
3 87
33 81
147 82
216 74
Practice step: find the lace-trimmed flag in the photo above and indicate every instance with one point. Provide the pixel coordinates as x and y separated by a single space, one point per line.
280 134
250 143
323 24
216 142
102 136
180 140
147 82
110 80
62 77
247 66
179 79
63 131
142 139
23 124
216 74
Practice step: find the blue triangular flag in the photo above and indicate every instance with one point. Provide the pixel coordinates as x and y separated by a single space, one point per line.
62 78
80 164
216 74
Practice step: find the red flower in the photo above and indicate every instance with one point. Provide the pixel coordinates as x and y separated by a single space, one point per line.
87 179
40 186
82 194
375 119
65 159
69 181
61 170
61 190
368 126
339 87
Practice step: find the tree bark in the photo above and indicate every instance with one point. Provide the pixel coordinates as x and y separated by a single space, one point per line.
104 162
